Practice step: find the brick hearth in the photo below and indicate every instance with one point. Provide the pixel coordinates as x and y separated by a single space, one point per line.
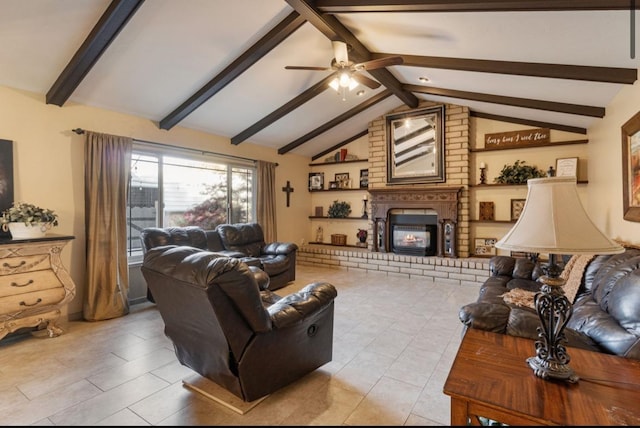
458 271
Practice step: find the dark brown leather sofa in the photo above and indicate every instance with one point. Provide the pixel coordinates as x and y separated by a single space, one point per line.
250 342
242 240
606 309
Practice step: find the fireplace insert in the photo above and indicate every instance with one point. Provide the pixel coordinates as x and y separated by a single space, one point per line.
414 234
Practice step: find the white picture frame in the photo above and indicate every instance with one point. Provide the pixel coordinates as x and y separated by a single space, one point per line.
567 167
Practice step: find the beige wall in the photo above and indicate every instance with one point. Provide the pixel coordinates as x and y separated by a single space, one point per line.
49 159
605 173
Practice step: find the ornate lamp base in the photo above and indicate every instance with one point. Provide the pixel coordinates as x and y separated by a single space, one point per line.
554 310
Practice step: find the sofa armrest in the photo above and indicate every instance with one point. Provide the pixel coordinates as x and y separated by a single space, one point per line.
485 316
297 306
279 248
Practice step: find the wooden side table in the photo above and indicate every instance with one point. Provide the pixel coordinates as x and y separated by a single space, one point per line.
491 378
34 285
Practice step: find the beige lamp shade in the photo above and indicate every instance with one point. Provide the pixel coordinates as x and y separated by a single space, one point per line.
553 220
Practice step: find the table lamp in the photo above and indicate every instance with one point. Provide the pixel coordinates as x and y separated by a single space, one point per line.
553 221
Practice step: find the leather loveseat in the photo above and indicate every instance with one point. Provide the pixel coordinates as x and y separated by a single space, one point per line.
606 308
222 326
244 241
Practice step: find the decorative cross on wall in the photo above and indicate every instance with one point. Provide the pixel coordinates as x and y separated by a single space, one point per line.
289 190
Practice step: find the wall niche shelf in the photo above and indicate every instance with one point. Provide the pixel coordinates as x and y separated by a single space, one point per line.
334 245
344 189
511 185
531 146
339 163
493 221
336 218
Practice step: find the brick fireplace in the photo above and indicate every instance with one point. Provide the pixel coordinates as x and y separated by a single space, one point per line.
390 201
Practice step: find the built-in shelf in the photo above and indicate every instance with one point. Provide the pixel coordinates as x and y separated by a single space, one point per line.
493 221
531 146
337 218
336 163
509 185
335 245
343 189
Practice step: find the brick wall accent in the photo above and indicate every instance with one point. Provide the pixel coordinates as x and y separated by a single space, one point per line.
470 271
456 163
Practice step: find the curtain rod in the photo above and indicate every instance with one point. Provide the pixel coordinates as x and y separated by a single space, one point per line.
80 131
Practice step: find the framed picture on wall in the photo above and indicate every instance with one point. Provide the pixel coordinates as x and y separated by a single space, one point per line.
316 180
516 208
6 178
364 178
631 168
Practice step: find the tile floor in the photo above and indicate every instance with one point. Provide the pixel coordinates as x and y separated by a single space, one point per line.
394 342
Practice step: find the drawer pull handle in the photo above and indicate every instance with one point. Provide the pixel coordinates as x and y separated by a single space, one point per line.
23 303
7 265
15 284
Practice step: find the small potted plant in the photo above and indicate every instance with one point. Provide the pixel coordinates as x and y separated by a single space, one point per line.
26 220
339 209
518 173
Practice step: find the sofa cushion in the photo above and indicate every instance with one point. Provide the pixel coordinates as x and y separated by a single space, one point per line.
247 238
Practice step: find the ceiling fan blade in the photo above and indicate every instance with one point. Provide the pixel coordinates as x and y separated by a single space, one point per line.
379 63
295 67
364 80
340 52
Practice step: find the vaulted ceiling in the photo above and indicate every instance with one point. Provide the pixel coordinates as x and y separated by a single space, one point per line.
219 66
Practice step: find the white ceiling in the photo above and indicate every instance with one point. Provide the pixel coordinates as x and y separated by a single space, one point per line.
170 49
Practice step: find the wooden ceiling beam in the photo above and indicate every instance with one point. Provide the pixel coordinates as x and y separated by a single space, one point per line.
536 123
335 30
285 109
274 37
336 121
576 109
556 71
346 6
112 21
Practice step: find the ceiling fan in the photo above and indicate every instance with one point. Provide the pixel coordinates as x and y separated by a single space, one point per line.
347 76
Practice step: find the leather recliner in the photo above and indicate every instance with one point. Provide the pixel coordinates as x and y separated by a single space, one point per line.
225 330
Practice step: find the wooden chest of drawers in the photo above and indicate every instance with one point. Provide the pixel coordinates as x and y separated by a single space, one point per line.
34 284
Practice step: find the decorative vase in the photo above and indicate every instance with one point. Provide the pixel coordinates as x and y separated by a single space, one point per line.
25 231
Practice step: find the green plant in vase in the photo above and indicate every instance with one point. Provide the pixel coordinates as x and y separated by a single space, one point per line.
518 173
339 209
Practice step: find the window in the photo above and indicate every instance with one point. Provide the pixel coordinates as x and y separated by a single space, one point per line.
172 188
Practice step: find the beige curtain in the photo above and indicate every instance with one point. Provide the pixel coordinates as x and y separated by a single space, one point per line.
107 164
266 204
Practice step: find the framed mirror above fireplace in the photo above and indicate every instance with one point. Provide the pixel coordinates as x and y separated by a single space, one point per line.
415 146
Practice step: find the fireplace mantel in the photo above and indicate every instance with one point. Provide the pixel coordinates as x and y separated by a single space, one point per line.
443 200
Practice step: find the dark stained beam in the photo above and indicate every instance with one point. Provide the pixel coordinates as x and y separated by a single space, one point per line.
274 37
285 109
340 144
577 109
112 21
348 6
335 30
557 71
336 121
535 123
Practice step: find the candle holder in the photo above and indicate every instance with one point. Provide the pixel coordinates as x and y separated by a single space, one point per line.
483 177
365 214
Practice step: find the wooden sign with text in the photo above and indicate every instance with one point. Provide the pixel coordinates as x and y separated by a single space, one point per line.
516 138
